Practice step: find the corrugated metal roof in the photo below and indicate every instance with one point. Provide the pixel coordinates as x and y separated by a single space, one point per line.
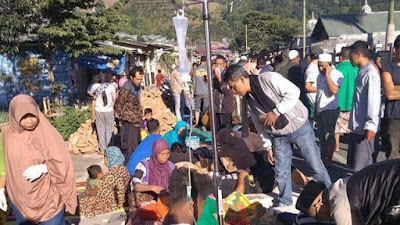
356 23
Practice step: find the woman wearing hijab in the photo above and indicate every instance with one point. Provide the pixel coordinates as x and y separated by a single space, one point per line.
111 194
178 134
152 174
152 177
40 175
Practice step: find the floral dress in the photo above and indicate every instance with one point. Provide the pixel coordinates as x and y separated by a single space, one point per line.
111 195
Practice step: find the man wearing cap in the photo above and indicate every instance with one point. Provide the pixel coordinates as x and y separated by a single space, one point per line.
292 71
327 105
369 197
366 110
242 61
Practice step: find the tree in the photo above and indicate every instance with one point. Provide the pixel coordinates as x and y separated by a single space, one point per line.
75 26
266 31
16 18
72 26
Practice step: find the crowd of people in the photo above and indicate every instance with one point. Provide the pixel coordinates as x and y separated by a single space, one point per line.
165 182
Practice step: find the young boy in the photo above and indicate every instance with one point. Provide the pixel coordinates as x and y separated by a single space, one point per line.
148 115
93 182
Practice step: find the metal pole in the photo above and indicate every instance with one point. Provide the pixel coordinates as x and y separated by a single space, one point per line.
390 27
217 180
304 28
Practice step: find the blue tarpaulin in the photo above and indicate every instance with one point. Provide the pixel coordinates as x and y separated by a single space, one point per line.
113 64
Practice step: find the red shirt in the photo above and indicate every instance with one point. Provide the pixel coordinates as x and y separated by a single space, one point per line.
159 79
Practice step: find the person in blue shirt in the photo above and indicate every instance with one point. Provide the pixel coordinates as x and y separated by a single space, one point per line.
144 150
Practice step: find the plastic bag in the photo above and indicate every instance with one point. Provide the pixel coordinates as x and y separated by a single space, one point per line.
181 26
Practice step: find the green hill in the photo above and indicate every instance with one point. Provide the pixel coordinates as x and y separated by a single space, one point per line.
155 16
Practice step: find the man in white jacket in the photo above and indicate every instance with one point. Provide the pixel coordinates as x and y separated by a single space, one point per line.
281 120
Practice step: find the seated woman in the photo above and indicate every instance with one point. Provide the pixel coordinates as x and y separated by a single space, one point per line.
111 194
151 178
178 134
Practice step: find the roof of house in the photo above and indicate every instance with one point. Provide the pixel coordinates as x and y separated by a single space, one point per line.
355 23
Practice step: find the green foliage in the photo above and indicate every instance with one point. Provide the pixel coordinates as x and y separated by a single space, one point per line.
149 18
266 31
15 19
166 60
70 121
58 88
72 26
3 115
75 30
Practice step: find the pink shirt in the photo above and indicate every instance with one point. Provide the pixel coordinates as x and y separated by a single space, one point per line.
122 81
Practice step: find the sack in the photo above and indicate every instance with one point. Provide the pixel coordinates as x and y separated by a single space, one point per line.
239 210
154 210
205 119
141 198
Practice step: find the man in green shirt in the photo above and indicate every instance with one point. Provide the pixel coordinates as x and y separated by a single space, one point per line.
346 93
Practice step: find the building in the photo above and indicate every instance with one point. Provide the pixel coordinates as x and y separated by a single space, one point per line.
335 31
332 32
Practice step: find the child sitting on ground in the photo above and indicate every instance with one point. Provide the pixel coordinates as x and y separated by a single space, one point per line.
148 115
93 182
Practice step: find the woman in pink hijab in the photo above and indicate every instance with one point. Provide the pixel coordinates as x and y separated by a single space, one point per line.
40 174
151 179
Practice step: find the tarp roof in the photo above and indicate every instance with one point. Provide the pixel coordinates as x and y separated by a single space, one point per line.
355 23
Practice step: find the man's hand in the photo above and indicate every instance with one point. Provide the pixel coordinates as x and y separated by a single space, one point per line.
242 174
328 71
369 135
271 118
217 73
271 158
